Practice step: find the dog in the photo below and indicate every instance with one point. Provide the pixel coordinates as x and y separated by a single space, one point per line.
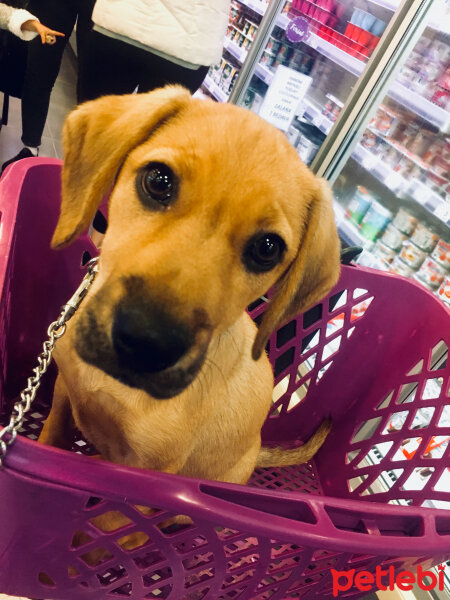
161 367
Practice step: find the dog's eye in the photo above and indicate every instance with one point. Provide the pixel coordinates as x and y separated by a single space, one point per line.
263 252
158 182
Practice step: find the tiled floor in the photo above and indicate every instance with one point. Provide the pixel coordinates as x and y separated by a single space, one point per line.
62 101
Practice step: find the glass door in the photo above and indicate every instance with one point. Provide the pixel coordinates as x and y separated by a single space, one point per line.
393 193
392 197
244 22
308 63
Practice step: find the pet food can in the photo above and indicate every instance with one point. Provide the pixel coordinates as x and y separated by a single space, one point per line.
375 220
307 149
284 54
369 140
444 290
431 273
405 222
424 238
248 98
273 46
411 255
421 142
400 268
293 135
390 156
257 103
359 204
441 254
393 237
384 121
252 30
383 252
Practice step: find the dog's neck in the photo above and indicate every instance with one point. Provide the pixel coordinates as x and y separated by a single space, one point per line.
235 342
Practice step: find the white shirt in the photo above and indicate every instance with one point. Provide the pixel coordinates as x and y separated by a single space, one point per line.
13 19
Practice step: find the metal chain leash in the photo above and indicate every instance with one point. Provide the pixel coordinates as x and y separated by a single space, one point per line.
56 330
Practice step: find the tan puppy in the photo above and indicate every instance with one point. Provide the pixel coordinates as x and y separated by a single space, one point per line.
161 367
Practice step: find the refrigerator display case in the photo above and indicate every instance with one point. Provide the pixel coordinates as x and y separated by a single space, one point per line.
244 22
393 192
362 91
306 60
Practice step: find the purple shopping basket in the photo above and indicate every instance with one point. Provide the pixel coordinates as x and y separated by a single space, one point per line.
372 355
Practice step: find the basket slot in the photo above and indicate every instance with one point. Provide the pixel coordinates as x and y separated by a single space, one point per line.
443 525
411 526
294 509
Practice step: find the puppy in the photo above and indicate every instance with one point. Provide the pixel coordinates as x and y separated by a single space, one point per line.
161 367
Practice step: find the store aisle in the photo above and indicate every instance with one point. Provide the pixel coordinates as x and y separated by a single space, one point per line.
62 101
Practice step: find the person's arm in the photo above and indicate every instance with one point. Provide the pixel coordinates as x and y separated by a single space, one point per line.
48 36
25 25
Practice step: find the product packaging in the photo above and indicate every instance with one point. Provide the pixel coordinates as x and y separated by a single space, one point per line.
411 255
431 274
375 221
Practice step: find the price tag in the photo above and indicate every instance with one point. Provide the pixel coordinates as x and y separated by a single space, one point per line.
443 212
422 195
257 7
393 180
369 161
313 40
267 77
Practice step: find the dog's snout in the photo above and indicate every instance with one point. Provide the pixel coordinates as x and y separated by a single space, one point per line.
147 343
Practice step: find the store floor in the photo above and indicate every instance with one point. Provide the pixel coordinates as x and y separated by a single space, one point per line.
62 101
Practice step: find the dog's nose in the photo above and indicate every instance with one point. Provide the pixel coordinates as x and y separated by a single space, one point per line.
147 343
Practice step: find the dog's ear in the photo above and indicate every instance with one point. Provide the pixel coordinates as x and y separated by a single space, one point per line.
97 136
313 272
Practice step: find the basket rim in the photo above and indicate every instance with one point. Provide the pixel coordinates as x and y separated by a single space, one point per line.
209 499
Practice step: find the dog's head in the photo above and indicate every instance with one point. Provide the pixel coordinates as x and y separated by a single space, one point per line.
210 207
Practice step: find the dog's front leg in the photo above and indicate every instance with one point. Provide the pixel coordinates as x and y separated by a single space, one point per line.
59 427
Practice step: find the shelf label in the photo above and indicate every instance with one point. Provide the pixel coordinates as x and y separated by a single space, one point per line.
257 7
263 73
393 180
236 51
286 91
442 212
369 161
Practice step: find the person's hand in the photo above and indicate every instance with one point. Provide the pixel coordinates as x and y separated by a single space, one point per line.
47 35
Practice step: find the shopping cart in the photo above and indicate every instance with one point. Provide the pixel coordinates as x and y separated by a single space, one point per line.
282 535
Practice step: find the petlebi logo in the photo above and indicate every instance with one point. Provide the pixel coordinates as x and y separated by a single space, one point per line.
387 579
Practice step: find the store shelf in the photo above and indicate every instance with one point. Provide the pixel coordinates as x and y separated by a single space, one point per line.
417 190
240 54
434 23
249 37
338 56
283 21
315 116
422 107
257 5
215 90
389 4
264 73
348 231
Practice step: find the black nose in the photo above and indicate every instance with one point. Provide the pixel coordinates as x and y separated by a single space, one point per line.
147 340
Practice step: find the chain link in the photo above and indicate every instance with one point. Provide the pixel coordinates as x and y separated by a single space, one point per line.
56 330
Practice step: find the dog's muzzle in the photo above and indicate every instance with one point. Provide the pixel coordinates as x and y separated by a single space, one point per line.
146 348
147 345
